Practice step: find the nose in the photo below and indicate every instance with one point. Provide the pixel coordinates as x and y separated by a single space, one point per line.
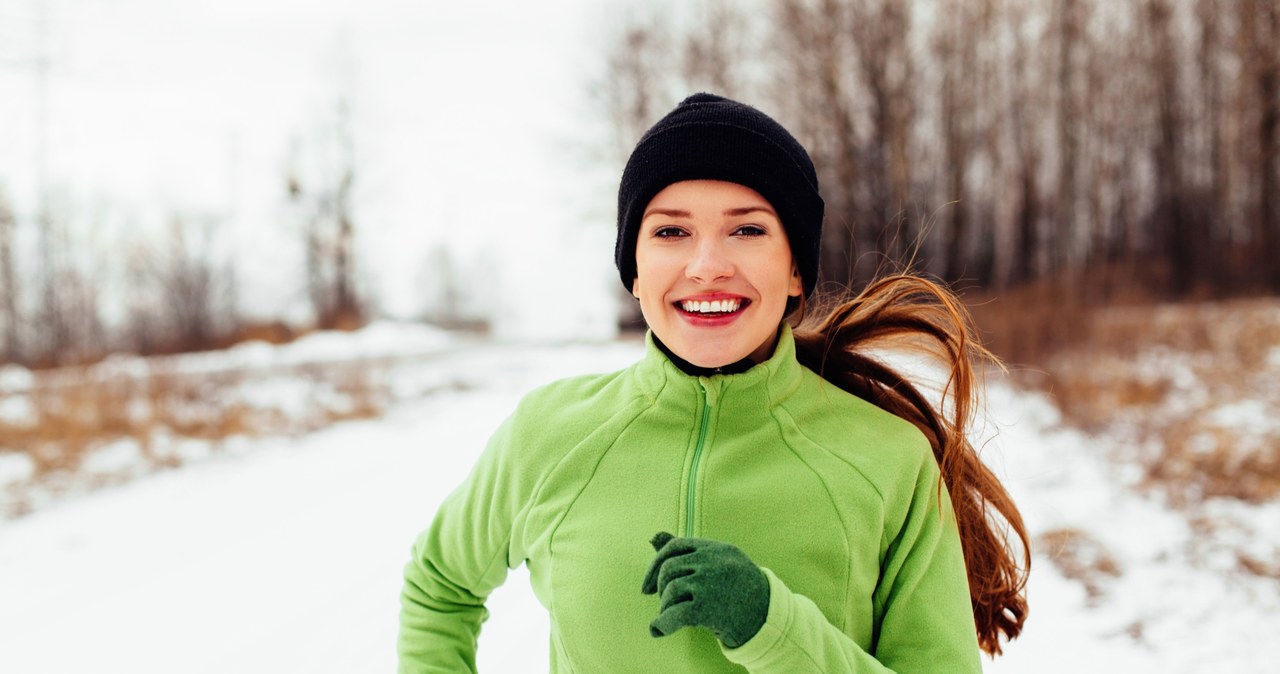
709 263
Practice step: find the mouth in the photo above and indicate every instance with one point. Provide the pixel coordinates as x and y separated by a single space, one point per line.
717 308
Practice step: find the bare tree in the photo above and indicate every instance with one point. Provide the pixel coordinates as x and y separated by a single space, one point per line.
880 31
325 211
1070 18
145 327
196 289
1260 27
58 284
1215 157
1027 150
957 55
440 278
10 291
635 88
1181 217
715 52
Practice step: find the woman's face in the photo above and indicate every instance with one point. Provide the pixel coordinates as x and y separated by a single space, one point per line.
713 272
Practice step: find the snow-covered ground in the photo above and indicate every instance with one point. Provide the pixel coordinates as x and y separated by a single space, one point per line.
284 554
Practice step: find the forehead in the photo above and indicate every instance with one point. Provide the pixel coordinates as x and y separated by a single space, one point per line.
696 194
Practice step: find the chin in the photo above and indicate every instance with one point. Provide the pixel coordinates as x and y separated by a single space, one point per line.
712 357
713 363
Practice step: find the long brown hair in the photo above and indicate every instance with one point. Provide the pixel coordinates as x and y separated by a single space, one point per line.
906 310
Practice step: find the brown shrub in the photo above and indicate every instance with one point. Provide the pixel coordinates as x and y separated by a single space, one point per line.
274 332
1214 462
1082 558
1258 567
1029 324
1158 375
76 412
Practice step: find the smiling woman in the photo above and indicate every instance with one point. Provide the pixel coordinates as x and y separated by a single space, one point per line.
794 504
715 272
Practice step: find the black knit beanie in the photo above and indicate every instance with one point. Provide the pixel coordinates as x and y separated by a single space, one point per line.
708 137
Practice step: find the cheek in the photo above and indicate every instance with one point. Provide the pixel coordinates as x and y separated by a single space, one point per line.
653 272
644 264
647 289
785 276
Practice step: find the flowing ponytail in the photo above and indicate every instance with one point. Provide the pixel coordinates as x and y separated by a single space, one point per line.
907 311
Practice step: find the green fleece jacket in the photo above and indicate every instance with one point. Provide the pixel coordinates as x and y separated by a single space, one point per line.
838 501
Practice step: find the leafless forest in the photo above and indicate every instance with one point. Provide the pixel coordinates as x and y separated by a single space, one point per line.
80 300
1054 155
1083 148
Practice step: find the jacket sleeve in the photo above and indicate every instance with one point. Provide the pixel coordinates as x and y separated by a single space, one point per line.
924 619
462 557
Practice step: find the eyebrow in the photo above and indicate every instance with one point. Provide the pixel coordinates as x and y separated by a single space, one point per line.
746 210
670 212
732 212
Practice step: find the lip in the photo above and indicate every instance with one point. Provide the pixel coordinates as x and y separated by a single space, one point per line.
711 320
710 297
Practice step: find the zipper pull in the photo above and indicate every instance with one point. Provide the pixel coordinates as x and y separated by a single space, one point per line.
710 393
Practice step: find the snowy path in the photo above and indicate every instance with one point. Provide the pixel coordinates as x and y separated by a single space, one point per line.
286 556
287 559
280 559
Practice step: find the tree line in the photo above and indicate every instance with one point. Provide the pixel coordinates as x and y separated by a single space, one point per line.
68 298
1002 143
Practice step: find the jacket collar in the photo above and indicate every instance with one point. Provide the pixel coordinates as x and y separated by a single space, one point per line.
696 371
759 387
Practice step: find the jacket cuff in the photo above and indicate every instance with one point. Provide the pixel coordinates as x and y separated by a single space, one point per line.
774 630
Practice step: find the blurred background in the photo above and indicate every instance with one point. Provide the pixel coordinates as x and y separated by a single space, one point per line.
178 177
235 225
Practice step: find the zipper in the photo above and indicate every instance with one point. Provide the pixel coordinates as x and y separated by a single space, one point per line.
697 459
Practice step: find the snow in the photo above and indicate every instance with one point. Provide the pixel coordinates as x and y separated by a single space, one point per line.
284 554
281 557
380 339
14 377
1253 417
15 468
16 410
1176 606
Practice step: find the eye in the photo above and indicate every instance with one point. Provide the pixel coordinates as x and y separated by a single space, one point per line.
750 231
668 232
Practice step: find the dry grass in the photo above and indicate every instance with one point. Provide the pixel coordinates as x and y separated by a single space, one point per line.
1030 324
1266 568
1191 387
1184 397
1082 558
77 411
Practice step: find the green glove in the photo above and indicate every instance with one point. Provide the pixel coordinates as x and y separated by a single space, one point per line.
707 584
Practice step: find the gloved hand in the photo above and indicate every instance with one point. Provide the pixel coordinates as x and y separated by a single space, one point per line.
708 584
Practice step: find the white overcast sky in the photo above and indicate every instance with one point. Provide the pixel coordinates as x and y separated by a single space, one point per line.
472 123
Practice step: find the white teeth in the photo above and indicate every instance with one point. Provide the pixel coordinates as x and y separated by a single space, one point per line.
714 307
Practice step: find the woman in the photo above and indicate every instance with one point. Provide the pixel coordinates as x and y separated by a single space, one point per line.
746 497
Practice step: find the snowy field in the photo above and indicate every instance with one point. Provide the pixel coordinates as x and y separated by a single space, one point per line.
284 555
